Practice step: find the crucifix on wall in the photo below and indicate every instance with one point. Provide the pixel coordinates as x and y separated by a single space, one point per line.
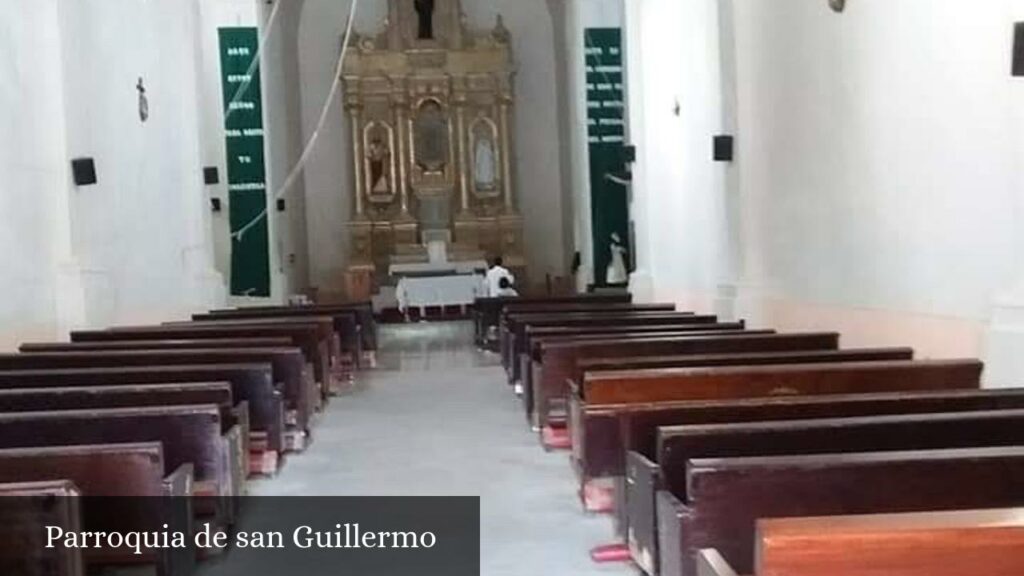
425 9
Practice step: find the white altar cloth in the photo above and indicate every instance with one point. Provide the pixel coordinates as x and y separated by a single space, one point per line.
455 290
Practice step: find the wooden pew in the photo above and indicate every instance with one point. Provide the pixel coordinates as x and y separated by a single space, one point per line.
108 473
321 362
251 384
533 368
289 369
189 435
600 450
363 313
346 342
921 544
513 336
728 495
901 432
708 383
170 344
557 361
27 508
316 349
131 396
534 336
487 311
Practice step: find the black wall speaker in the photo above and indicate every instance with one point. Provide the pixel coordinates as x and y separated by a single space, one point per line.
215 204
211 175
280 205
84 171
1018 49
723 148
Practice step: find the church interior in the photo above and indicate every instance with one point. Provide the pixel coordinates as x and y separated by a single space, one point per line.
660 287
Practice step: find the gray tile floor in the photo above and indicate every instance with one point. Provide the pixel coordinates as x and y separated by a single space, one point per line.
436 418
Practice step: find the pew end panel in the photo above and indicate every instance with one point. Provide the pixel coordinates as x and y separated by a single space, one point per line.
27 509
643 478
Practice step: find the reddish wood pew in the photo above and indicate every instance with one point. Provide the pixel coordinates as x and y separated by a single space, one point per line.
727 496
170 344
558 360
189 435
922 544
556 393
900 432
289 369
27 508
116 471
308 338
534 336
251 384
487 311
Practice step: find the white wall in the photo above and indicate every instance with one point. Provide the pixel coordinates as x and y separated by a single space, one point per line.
136 247
138 233
37 279
875 189
328 175
675 107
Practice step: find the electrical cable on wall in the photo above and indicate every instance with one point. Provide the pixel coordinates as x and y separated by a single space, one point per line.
293 176
243 86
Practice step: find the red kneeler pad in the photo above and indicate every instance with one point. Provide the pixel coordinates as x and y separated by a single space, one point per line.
610 553
556 438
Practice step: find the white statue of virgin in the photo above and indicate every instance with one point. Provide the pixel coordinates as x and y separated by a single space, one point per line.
617 273
483 168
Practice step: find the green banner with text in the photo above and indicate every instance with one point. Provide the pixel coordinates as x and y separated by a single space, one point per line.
606 131
246 167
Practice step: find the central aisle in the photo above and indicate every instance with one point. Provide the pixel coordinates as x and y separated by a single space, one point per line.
436 418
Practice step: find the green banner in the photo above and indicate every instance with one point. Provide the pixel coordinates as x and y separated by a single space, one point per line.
606 130
246 169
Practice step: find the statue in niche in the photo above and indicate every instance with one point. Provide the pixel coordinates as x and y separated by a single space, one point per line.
431 137
379 156
484 173
425 10
617 274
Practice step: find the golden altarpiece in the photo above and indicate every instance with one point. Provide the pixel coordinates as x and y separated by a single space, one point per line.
430 104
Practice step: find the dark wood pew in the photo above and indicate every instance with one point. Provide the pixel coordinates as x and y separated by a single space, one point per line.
189 435
558 360
901 432
289 369
509 326
533 369
107 473
727 496
618 429
515 325
363 311
640 386
346 343
534 335
251 384
316 349
321 362
170 344
27 508
921 544
487 311
131 396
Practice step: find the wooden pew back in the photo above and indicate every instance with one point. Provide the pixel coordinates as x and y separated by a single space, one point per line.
27 509
922 544
728 495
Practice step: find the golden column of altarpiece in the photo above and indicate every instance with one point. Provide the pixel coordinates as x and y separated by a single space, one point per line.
430 105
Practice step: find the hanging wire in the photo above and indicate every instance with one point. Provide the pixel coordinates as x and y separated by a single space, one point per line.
293 176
